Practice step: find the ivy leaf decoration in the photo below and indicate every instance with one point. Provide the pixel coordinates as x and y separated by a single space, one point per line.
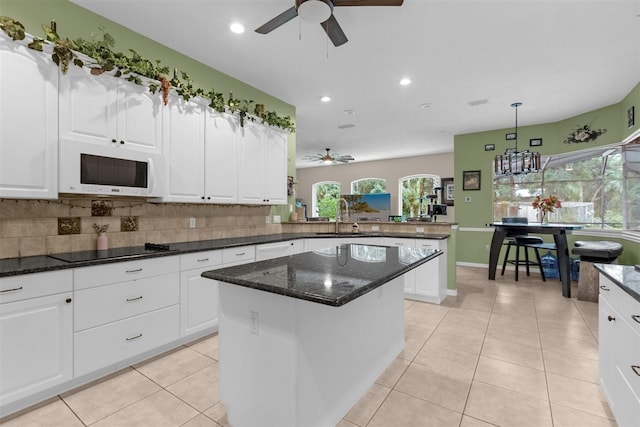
12 28
36 44
50 34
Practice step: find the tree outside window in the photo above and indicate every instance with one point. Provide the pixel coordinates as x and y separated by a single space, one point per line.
369 186
325 198
414 190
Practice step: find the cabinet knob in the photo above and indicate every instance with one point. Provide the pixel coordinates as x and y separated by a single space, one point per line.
202 197
121 141
68 300
113 140
611 318
208 197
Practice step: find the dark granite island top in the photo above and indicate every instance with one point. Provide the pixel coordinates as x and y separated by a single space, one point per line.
332 276
625 276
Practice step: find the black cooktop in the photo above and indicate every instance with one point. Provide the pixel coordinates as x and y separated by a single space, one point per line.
130 252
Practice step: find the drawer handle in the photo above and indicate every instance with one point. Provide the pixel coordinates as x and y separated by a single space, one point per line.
636 369
134 338
611 318
604 288
11 290
203 259
636 317
134 299
241 253
137 270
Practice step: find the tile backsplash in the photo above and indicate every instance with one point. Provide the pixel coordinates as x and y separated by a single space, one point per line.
31 227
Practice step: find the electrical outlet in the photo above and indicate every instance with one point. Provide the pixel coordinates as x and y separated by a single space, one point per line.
375 228
419 229
487 248
290 208
192 222
267 219
467 199
276 219
254 328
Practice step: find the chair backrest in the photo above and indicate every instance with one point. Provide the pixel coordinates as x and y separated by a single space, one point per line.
515 220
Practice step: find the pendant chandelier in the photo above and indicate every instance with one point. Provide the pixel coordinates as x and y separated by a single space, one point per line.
514 162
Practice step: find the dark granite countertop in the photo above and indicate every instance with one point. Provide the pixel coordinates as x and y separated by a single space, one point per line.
332 276
625 276
42 263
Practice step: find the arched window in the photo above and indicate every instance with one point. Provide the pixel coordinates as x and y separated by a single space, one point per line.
369 186
413 191
325 196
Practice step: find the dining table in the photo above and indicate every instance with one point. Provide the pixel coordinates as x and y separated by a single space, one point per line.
559 232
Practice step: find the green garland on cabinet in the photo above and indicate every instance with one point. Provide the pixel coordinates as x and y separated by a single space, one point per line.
103 59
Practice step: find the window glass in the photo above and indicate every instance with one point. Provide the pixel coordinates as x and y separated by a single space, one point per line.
369 186
414 190
325 197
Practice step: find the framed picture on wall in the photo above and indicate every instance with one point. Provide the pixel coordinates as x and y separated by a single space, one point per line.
536 142
631 116
470 180
489 147
448 191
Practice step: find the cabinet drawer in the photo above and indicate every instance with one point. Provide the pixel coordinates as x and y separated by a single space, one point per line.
628 306
104 304
241 253
88 277
200 259
109 344
25 286
430 244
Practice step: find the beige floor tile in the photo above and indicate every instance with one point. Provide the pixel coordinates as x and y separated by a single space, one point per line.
457 340
367 406
571 366
520 322
106 397
174 366
201 421
199 389
528 337
412 346
574 328
158 410
503 407
400 409
567 417
510 351
417 329
468 421
576 347
581 395
52 414
392 374
511 376
207 346
462 363
345 423
439 387
218 413
475 316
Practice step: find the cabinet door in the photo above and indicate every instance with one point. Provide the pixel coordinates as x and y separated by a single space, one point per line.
221 159
275 166
28 123
251 166
35 345
139 117
431 277
88 106
198 302
184 151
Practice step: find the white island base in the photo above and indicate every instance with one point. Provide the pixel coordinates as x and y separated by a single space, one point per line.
290 362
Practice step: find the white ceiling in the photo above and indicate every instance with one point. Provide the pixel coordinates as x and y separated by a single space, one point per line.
560 58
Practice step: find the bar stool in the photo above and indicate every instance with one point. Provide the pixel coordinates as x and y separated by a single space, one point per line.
525 242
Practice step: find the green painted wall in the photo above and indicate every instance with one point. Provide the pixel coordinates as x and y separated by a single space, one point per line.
469 154
76 22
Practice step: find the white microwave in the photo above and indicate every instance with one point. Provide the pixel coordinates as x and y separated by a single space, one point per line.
87 168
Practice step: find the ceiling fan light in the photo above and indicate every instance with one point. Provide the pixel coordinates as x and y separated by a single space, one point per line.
315 11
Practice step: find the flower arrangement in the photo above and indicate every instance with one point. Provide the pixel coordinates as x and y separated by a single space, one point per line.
584 134
546 205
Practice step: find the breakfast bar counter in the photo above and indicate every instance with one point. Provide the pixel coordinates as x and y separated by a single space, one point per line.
303 337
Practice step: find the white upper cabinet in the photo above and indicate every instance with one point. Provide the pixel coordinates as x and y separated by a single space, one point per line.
102 109
28 123
221 157
263 166
184 151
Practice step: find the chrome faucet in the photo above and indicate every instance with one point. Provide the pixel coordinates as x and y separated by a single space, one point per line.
339 212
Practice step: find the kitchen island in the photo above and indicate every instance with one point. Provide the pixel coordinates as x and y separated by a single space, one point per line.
303 337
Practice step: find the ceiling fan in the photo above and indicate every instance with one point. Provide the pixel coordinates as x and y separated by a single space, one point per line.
329 159
321 12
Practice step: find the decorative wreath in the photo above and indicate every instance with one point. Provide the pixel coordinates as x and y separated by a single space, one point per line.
584 134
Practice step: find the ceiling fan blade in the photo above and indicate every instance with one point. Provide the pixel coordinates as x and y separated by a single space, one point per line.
279 20
333 30
338 3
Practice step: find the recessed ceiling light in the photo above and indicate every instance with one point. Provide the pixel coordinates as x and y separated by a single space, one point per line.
236 27
349 112
325 99
425 105
405 81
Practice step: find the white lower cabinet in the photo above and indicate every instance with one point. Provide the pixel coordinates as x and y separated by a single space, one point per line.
198 296
36 334
278 249
619 352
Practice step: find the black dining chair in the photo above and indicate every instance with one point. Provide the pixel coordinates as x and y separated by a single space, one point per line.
525 242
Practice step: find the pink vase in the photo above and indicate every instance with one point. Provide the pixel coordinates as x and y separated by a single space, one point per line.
102 242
